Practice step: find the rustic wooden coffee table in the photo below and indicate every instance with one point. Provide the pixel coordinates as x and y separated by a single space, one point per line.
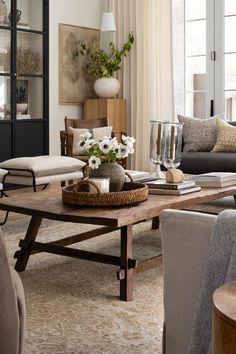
49 205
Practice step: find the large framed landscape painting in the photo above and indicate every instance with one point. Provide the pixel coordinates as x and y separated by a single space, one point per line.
75 85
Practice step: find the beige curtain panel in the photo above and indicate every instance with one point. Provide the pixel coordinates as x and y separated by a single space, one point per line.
146 78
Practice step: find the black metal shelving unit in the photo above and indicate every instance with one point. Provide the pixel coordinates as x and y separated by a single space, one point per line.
25 133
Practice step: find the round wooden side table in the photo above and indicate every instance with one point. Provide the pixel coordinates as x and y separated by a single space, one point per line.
224 320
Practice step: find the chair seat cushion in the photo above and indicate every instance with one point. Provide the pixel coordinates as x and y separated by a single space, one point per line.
203 162
42 165
28 180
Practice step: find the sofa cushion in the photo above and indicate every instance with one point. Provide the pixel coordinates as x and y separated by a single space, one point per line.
97 134
198 134
203 162
226 137
42 165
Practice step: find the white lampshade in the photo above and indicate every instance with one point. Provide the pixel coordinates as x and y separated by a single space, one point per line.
108 22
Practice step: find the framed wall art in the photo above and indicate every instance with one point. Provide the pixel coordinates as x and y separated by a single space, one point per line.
75 85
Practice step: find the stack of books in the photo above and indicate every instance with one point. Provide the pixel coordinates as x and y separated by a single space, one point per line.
215 179
139 176
181 188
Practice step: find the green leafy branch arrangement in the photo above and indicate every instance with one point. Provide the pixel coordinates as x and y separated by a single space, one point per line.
100 63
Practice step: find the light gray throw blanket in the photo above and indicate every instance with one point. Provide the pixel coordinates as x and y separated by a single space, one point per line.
220 269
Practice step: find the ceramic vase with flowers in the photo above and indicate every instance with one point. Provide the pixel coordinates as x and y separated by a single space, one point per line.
103 157
101 65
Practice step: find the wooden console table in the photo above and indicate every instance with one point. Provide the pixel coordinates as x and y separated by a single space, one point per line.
49 205
114 109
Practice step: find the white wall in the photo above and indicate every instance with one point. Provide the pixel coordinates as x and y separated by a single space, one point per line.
76 12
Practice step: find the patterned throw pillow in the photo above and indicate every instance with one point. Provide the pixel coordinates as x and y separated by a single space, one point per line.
98 134
226 137
198 134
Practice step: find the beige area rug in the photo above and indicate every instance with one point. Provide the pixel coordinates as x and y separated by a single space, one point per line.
215 207
73 305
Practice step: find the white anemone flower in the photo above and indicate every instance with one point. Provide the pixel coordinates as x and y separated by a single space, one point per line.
88 135
130 149
89 143
94 162
82 144
82 137
122 151
128 140
105 145
114 142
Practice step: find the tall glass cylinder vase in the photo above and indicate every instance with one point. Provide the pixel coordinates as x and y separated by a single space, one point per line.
172 144
157 147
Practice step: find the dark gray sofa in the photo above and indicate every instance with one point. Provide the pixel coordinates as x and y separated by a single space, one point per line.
203 162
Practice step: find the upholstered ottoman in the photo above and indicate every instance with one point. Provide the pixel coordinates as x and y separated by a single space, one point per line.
2 174
42 170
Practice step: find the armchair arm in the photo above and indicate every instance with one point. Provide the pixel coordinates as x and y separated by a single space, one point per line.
12 307
185 237
66 143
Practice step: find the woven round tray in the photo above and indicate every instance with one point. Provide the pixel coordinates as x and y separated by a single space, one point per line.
131 193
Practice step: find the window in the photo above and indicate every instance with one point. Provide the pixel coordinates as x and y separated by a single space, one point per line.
204 51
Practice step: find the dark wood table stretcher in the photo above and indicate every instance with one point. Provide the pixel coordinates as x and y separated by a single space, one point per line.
49 205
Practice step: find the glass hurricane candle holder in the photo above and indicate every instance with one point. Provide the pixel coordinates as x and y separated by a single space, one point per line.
157 147
172 144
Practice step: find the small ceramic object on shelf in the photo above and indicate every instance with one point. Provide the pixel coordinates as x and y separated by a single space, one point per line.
21 108
18 15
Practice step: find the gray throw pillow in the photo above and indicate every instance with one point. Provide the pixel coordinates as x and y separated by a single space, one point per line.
198 134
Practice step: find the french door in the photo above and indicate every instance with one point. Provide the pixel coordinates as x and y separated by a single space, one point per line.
204 57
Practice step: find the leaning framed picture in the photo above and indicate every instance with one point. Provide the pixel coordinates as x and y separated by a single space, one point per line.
74 83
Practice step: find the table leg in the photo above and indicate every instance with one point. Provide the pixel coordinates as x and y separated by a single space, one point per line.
23 255
234 198
126 253
155 223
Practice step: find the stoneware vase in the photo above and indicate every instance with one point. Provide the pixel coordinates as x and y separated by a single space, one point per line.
111 170
106 87
21 108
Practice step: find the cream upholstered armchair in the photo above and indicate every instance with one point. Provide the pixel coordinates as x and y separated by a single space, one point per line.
199 256
185 238
12 308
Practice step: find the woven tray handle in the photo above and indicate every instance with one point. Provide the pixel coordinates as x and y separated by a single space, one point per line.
128 175
86 182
